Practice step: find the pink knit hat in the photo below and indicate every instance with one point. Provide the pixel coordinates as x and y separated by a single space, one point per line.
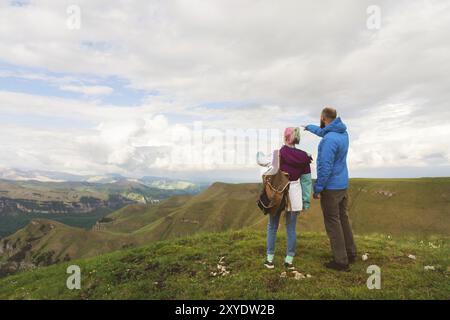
292 135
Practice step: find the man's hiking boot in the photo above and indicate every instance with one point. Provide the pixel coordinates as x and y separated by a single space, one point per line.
337 266
269 265
289 266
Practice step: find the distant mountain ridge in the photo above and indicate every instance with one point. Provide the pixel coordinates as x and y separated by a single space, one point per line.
37 175
54 176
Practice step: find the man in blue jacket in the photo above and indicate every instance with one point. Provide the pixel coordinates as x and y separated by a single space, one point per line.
331 187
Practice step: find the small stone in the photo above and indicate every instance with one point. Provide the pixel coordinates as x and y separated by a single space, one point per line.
309 276
299 276
411 256
365 256
429 268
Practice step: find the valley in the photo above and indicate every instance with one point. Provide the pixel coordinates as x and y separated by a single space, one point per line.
78 203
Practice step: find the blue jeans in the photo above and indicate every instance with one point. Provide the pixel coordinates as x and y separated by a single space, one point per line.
272 228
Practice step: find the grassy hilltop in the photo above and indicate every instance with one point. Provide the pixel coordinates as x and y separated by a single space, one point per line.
184 269
392 218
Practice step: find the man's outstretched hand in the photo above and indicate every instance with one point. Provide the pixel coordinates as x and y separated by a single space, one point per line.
316 195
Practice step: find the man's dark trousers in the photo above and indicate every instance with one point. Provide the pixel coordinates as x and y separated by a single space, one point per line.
334 207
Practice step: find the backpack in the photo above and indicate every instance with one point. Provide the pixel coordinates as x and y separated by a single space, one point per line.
274 197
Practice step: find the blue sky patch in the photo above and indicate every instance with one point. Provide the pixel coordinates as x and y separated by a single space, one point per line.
41 82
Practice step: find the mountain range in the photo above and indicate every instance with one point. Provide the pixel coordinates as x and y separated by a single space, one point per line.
13 174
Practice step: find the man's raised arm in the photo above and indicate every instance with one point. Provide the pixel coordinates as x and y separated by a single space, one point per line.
318 131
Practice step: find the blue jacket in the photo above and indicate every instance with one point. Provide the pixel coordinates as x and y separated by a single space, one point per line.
332 172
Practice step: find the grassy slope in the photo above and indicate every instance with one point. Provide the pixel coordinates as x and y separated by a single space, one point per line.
51 236
134 217
221 207
419 207
180 269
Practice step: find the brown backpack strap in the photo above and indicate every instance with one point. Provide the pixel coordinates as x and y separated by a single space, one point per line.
288 202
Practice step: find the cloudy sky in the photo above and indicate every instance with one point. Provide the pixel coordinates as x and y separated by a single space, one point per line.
159 87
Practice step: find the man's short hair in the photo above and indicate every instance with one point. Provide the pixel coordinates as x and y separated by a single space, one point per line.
329 113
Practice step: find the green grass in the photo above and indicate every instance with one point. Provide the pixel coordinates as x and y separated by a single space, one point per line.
181 269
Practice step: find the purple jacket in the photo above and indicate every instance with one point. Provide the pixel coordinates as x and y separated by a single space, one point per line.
294 161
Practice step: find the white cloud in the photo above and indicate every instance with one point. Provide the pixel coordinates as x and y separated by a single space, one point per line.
88 90
281 62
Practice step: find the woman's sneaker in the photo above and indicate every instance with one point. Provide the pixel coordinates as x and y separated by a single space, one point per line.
269 264
289 266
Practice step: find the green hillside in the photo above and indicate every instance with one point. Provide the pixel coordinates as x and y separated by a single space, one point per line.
221 207
400 207
45 242
134 217
184 269
417 208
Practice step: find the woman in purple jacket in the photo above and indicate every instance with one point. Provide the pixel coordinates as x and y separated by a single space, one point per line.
296 163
